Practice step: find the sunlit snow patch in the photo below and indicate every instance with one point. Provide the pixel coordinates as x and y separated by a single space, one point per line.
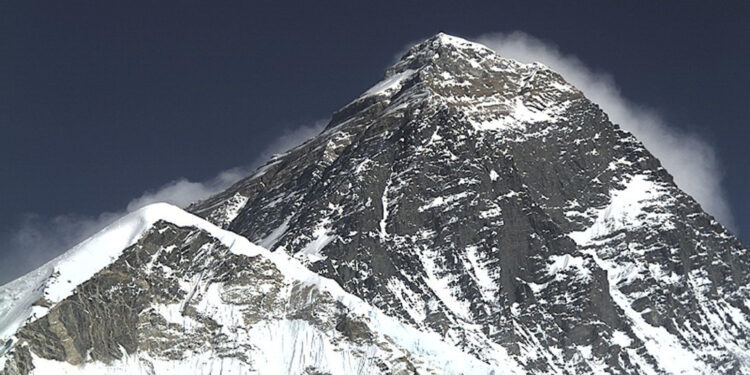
626 210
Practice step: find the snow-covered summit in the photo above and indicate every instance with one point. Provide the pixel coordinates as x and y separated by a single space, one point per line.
493 92
442 43
30 296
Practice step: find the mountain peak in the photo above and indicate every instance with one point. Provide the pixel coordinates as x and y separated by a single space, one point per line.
467 214
491 91
470 190
441 47
445 40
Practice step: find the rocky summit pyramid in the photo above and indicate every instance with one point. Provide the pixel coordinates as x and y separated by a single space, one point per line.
468 214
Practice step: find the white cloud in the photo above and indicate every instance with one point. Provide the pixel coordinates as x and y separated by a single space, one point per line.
691 160
182 192
38 239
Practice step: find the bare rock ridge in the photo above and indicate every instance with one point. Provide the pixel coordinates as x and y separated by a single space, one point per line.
467 214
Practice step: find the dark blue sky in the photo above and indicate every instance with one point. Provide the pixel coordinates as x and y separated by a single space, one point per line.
100 101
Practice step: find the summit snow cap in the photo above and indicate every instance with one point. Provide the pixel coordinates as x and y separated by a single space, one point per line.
443 40
491 92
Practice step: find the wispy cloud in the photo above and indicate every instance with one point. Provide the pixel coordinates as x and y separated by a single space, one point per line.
37 239
691 160
182 192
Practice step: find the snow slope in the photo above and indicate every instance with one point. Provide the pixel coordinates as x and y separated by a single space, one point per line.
59 278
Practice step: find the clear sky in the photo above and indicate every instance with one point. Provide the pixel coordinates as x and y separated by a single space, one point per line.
101 101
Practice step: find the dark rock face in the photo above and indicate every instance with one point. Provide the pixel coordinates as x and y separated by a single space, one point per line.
491 202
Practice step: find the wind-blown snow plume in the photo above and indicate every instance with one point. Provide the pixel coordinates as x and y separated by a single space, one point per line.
182 192
691 160
37 239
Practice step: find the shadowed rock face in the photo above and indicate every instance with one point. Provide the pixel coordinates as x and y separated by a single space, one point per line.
450 196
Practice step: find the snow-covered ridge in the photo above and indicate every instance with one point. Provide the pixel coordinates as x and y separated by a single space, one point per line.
58 279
